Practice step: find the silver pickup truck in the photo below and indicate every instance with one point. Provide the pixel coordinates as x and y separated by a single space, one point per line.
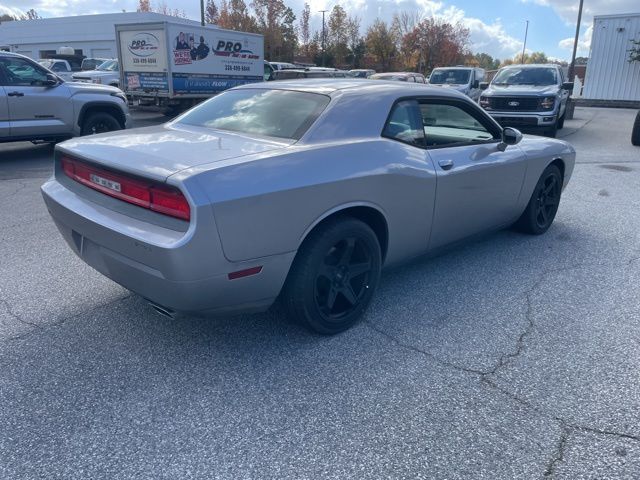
37 105
528 97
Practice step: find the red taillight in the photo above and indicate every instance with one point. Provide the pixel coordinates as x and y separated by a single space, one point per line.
143 193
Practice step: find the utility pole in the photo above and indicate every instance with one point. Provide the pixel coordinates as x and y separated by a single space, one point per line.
323 37
526 32
575 43
202 12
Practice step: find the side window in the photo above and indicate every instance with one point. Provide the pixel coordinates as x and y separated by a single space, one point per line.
411 79
449 125
403 124
19 72
59 67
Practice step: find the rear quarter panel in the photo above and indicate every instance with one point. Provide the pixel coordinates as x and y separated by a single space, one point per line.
266 206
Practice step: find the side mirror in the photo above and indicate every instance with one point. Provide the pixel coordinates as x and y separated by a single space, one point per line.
475 84
484 85
567 86
510 136
51 80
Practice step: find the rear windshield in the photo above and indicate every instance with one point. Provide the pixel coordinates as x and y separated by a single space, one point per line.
273 113
450 77
526 76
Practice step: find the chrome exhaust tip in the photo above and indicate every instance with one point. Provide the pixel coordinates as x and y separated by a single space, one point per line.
164 311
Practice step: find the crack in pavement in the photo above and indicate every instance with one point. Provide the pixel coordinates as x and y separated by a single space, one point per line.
558 455
15 316
506 358
21 186
58 322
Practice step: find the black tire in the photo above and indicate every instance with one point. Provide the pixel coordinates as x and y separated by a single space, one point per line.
100 122
544 202
635 133
334 276
561 121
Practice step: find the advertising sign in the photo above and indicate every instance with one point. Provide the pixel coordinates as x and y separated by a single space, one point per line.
207 51
143 51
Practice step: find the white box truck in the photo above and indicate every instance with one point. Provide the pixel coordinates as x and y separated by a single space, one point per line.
175 66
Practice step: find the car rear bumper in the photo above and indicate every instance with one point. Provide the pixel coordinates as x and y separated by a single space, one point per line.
180 271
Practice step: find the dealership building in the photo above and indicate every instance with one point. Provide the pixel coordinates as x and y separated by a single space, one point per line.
610 77
88 35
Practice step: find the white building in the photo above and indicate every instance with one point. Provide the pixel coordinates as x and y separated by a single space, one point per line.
609 75
88 35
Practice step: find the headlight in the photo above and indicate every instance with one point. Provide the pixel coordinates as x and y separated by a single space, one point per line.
96 80
484 102
547 103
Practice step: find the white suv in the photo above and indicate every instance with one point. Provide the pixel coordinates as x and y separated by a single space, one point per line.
37 105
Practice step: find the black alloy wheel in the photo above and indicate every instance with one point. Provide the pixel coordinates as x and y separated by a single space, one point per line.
100 123
343 278
333 276
543 204
548 200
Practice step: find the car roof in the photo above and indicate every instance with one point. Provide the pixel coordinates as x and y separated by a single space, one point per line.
533 65
456 68
354 87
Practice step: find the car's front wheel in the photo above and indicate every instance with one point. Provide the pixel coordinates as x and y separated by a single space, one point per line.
334 276
543 204
100 122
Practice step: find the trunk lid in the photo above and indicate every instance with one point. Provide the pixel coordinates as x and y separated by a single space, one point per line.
160 151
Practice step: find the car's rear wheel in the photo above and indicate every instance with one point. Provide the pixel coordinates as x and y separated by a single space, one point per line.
543 205
100 122
334 276
635 133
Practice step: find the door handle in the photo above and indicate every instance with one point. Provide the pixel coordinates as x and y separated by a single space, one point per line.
15 94
445 164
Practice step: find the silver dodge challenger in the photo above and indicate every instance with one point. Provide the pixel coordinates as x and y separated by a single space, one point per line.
299 190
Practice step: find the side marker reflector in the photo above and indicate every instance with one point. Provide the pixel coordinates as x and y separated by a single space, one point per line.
245 273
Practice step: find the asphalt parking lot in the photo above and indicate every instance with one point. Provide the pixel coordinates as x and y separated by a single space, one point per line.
514 357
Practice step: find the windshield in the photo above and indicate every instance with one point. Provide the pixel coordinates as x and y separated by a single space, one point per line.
526 76
109 66
449 77
272 113
46 63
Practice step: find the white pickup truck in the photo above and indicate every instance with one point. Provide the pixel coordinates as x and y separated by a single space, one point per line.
60 67
107 73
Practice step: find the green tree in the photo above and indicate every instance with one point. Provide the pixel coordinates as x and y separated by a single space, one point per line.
276 22
305 30
486 61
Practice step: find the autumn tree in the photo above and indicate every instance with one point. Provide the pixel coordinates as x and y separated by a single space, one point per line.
31 15
436 43
381 42
527 58
338 34
355 41
235 15
144 5
211 12
305 29
276 22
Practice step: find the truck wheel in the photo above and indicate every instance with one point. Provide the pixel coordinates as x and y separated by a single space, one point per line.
334 276
635 133
100 122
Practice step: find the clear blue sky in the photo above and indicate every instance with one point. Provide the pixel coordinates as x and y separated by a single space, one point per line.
497 26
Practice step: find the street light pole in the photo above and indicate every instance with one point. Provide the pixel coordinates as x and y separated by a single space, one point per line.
323 37
202 12
575 43
526 32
